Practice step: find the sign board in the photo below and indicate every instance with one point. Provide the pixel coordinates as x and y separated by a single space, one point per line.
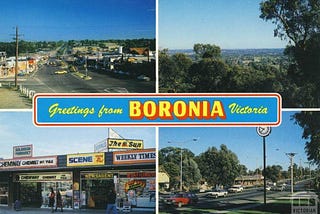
40 177
101 146
263 131
22 151
96 175
87 159
36 162
124 144
134 156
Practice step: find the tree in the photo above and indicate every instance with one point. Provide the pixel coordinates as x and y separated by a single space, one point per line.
299 22
209 75
207 51
273 173
219 167
169 160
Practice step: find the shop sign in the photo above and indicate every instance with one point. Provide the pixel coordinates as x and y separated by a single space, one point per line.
133 157
124 144
101 146
141 174
135 184
97 175
43 177
88 159
40 162
22 151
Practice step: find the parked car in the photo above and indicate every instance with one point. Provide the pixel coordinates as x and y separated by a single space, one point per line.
217 193
181 199
235 189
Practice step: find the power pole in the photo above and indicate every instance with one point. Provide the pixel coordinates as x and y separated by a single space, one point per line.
17 55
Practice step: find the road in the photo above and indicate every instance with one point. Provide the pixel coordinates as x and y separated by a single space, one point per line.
44 80
235 201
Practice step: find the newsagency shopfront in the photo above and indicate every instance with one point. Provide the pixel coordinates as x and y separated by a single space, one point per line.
83 179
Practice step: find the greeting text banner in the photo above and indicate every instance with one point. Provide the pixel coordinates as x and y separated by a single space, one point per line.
157 109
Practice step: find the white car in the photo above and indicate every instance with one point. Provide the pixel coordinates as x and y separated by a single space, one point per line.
235 189
217 193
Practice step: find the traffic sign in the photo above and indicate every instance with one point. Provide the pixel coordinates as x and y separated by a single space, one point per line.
263 131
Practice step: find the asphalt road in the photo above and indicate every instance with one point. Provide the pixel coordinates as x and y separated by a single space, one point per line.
234 201
44 80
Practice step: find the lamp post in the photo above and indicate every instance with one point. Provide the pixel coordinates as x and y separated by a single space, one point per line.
181 150
291 156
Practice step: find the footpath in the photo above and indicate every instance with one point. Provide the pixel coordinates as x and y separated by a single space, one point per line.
7 210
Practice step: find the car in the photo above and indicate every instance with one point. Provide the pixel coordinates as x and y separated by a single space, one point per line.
61 72
217 193
235 189
268 188
180 199
279 187
144 78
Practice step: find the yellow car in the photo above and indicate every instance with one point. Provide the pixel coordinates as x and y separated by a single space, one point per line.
61 72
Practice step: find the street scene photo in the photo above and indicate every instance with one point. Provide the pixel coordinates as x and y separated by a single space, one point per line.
240 169
84 169
76 47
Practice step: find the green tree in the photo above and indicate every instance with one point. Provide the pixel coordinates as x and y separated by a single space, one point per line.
273 173
170 160
207 51
299 22
209 75
219 167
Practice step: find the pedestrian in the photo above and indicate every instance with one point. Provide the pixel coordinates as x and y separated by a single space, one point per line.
51 199
59 201
111 201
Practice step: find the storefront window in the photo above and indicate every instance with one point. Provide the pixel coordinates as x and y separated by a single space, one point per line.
138 188
33 188
4 194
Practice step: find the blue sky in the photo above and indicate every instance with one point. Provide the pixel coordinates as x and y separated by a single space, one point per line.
244 141
16 128
229 24
53 20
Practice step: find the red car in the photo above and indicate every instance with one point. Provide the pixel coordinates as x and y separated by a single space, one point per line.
180 199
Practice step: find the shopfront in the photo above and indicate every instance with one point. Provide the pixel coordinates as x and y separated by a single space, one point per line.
82 179
33 189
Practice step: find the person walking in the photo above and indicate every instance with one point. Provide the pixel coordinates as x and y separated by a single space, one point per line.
111 201
59 201
51 199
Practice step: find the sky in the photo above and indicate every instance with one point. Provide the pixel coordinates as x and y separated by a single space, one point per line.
230 24
243 141
54 20
16 128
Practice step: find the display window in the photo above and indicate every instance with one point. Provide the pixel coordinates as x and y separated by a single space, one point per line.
4 189
33 189
138 188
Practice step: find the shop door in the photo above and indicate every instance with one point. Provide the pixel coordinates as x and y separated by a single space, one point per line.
95 192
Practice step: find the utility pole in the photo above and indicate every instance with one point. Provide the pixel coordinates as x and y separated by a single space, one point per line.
17 55
291 156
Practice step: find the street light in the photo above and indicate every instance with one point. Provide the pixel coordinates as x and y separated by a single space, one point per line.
192 140
291 156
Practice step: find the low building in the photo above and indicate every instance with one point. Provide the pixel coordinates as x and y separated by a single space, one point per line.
83 179
249 180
